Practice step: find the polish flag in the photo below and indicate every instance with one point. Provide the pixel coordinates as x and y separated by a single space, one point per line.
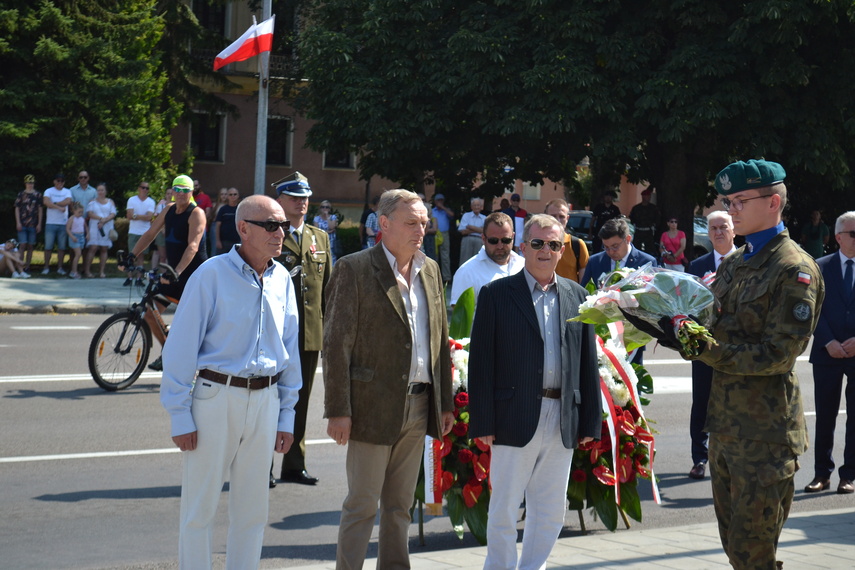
258 38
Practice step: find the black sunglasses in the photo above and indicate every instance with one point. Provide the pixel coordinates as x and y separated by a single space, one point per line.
271 225
850 233
504 240
537 244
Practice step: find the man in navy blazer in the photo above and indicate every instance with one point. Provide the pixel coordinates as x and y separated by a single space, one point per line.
617 249
832 356
720 230
533 395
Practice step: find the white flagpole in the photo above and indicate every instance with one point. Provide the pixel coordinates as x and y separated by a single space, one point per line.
261 128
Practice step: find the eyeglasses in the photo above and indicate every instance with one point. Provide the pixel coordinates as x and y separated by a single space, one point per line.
82 177
271 225
738 203
507 241
143 187
325 207
616 247
850 233
537 244
181 189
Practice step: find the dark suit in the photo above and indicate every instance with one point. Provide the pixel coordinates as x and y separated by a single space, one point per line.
602 263
836 322
534 431
314 257
701 379
506 365
367 356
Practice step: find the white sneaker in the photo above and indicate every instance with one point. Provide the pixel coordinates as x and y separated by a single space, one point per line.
61 271
45 271
16 275
24 275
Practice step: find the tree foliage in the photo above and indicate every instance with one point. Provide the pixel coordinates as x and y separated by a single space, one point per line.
98 85
667 91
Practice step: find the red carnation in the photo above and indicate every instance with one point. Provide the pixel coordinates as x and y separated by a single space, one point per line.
627 448
460 429
464 455
461 399
578 475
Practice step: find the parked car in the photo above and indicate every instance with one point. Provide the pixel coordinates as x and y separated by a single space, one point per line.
579 225
701 244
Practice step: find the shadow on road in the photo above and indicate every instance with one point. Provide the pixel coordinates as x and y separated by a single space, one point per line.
82 393
147 493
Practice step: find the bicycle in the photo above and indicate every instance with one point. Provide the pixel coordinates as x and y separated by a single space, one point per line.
121 346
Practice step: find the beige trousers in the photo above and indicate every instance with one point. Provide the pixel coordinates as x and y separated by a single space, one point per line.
386 474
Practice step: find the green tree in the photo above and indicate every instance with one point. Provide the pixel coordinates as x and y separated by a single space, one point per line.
81 88
667 91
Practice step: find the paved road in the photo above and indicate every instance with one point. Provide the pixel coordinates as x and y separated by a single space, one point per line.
88 479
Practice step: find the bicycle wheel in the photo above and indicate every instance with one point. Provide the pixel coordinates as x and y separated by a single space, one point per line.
119 351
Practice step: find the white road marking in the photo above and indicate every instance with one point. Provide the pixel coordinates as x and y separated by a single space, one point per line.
101 454
66 378
52 328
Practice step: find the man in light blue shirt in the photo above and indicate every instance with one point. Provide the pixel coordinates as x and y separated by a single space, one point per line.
231 374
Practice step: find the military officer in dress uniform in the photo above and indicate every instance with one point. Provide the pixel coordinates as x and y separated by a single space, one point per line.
770 293
306 254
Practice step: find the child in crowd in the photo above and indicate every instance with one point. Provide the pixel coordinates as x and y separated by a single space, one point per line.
10 259
78 234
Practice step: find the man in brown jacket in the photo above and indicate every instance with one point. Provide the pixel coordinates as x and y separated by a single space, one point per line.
387 375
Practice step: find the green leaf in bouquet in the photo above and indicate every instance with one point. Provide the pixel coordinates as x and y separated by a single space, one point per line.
455 507
630 502
476 519
645 380
461 317
602 498
576 494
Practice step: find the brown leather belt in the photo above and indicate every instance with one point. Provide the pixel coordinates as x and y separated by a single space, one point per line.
553 393
257 383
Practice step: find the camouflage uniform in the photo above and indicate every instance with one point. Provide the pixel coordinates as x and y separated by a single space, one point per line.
768 311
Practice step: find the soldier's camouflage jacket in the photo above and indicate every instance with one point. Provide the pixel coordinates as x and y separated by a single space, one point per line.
769 307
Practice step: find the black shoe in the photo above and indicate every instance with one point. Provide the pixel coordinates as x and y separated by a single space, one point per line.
157 365
127 282
818 484
699 471
140 282
272 481
300 477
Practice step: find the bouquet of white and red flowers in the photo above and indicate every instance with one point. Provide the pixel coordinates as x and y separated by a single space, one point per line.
650 300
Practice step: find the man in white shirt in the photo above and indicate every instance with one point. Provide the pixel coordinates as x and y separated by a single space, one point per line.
495 260
56 202
231 374
140 212
720 230
82 192
471 227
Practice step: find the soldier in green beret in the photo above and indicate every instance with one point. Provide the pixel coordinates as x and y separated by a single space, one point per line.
769 292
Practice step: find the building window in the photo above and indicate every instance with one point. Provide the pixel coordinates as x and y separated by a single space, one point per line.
531 191
340 160
279 137
207 136
211 15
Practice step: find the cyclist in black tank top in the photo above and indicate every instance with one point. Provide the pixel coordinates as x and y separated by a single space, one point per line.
184 225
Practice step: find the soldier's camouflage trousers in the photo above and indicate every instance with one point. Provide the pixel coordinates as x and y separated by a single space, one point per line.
752 483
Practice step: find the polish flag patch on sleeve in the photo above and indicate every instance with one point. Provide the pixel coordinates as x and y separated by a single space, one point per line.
803 278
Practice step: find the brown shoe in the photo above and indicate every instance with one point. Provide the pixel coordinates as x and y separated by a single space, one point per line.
699 471
818 484
845 487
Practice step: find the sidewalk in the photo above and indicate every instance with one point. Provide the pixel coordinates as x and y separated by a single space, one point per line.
39 295
810 540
